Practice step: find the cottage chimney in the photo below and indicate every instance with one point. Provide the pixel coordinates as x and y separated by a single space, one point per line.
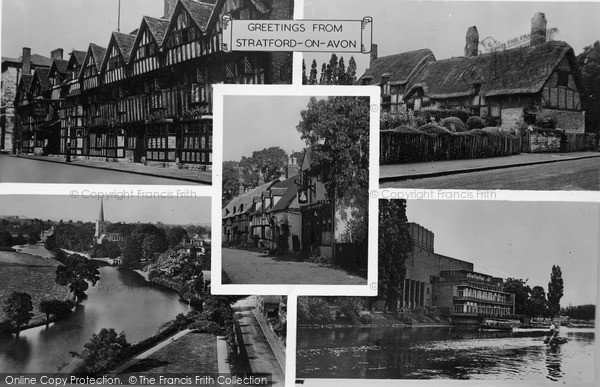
472 42
373 53
57 54
292 167
26 61
169 8
241 190
538 29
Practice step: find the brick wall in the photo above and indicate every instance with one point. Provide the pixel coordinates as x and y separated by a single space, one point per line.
570 121
544 142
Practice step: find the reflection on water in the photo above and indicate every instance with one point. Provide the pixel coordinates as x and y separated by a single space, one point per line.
120 300
443 353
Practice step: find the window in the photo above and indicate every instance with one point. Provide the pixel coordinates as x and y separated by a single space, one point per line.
563 78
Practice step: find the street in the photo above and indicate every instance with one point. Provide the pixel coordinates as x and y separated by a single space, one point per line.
581 174
247 267
260 353
22 170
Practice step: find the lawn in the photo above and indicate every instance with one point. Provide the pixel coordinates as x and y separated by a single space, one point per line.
192 353
29 274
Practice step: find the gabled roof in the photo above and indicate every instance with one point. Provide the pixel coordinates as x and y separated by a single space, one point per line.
41 76
289 195
25 82
520 70
399 66
157 29
77 56
124 44
246 199
58 65
202 14
96 52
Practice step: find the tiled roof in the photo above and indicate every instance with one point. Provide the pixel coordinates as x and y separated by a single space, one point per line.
290 192
157 27
125 44
59 65
398 66
515 71
41 74
36 60
200 12
79 56
98 52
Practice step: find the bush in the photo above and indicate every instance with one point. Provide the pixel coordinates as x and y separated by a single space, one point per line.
390 120
419 121
405 129
439 114
204 326
365 319
314 310
434 129
492 121
546 121
454 124
475 122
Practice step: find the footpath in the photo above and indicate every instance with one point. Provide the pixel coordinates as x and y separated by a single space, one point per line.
194 176
396 172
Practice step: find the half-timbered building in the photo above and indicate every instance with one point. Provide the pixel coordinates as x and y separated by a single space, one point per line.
147 96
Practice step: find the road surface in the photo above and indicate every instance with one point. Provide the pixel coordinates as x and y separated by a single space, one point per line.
247 267
22 170
260 354
565 175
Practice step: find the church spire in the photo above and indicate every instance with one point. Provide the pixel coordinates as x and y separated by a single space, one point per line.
101 216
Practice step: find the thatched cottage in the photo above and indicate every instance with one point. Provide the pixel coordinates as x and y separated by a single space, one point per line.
541 79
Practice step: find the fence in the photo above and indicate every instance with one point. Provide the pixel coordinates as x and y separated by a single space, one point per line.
576 142
398 147
558 142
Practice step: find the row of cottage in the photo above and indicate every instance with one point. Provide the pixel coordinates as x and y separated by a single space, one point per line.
292 214
147 95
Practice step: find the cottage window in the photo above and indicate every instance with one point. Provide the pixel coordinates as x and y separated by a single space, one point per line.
563 78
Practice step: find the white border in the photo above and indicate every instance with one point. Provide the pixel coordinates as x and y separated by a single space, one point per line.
219 92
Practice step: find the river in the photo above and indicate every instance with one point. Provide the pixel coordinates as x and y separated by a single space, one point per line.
443 353
122 300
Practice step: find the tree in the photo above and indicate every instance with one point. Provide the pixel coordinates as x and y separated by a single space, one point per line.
312 79
522 292
231 180
580 312
269 163
589 63
555 291
332 70
175 235
351 72
57 308
395 245
323 77
104 351
75 273
314 310
304 77
340 72
6 239
538 302
33 238
17 308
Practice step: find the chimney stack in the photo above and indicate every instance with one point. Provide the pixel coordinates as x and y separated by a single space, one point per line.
241 190
26 61
56 54
472 42
292 167
373 53
538 29
169 8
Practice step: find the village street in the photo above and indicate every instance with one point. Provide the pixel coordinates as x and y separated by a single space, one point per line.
581 174
31 170
247 267
264 354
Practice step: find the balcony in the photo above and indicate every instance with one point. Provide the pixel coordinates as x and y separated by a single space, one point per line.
484 300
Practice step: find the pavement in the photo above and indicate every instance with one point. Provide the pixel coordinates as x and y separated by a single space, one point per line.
187 175
258 347
249 267
395 172
571 175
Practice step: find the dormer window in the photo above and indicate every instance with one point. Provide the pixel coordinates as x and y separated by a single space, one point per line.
184 31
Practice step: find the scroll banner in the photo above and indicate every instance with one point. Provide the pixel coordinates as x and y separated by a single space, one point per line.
297 35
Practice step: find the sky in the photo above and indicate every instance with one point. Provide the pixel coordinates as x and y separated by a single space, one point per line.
44 25
86 207
252 123
400 26
519 240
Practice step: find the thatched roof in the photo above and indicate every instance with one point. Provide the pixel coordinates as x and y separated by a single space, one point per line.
246 199
522 70
290 191
399 66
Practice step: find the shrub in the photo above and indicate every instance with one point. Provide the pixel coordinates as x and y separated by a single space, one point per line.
546 121
406 129
314 310
365 319
419 121
454 124
492 121
390 120
475 122
439 114
434 129
204 326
